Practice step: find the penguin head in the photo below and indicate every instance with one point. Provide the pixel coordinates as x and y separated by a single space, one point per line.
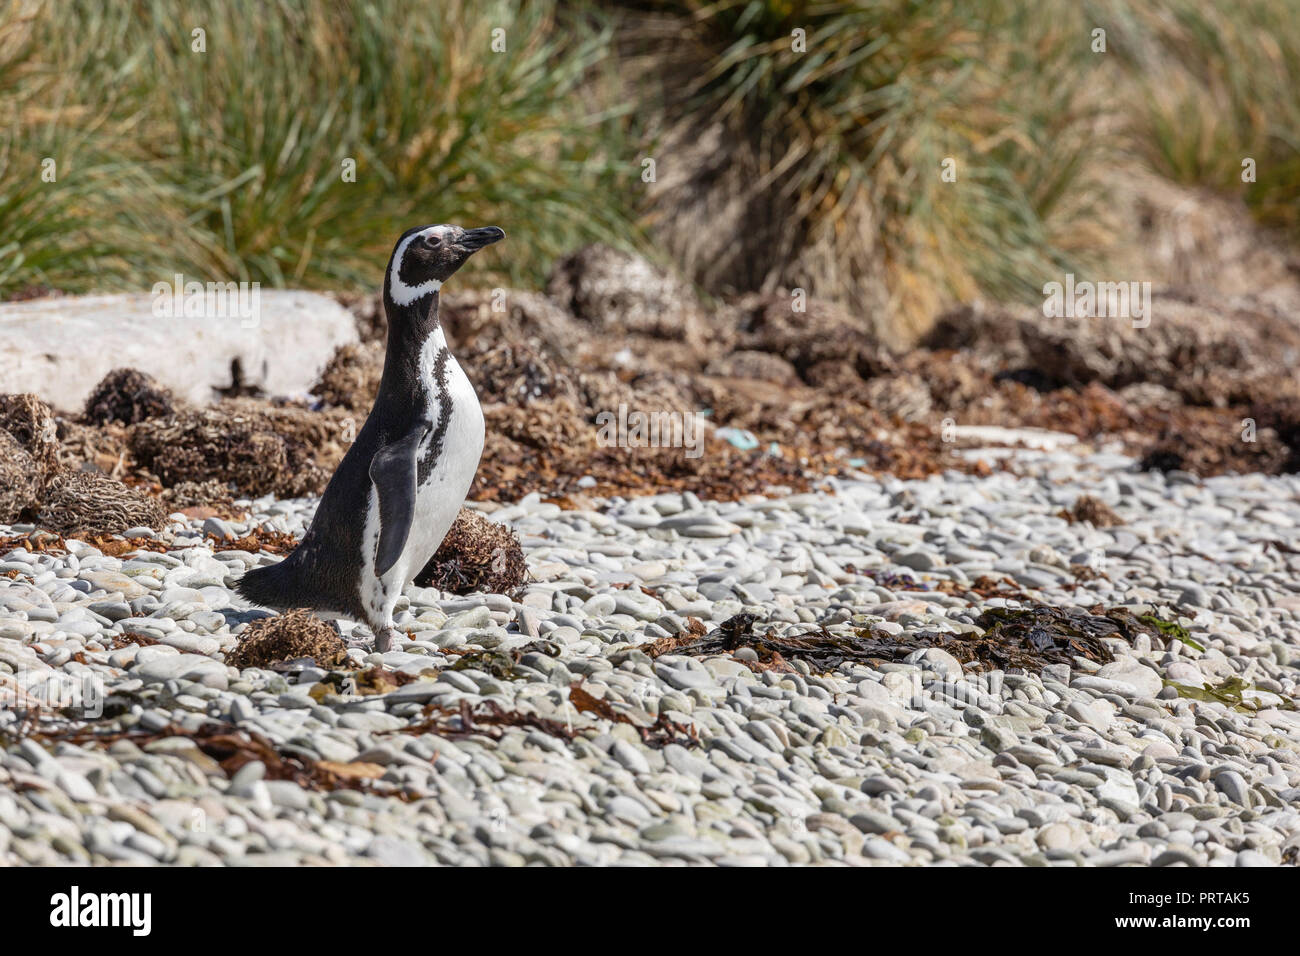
427 256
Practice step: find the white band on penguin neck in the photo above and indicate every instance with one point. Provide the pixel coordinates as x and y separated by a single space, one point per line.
399 291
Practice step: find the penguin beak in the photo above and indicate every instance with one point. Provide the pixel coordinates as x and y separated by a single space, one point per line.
475 239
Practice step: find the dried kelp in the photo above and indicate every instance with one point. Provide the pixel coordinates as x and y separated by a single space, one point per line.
258 452
86 503
288 636
1022 639
1092 510
476 555
483 719
232 749
351 377
127 396
19 485
259 539
658 733
32 424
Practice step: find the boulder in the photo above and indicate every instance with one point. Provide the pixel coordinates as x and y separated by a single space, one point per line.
59 348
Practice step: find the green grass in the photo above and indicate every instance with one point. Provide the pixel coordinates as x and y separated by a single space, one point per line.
843 143
848 140
103 220
227 164
1215 84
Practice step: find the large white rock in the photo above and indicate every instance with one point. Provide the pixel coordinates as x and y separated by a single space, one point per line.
60 348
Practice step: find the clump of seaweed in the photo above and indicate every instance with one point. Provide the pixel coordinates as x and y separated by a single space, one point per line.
286 637
126 396
824 333
84 446
351 377
232 443
1028 638
195 494
476 555
31 423
548 425
517 373
617 291
1024 639
754 364
1230 691
1170 629
659 733
259 539
231 749
18 484
1092 510
485 718
88 503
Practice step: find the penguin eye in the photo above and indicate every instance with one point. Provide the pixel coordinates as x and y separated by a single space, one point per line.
433 241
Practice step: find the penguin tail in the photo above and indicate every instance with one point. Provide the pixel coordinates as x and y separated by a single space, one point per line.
271 586
293 583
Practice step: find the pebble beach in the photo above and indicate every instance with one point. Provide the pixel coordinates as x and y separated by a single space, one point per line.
1176 752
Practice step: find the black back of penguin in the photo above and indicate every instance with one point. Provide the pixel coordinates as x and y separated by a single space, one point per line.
323 572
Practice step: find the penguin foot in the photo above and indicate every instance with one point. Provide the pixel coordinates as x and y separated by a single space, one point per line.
386 640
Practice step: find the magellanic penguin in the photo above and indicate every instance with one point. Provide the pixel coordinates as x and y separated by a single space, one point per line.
401 484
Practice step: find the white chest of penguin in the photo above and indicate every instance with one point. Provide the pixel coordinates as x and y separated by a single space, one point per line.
448 455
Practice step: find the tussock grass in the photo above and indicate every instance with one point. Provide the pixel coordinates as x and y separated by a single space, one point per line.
103 218
835 154
232 159
820 169
1214 84
830 159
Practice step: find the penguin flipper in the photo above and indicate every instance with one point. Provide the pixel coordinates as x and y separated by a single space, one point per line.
393 472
